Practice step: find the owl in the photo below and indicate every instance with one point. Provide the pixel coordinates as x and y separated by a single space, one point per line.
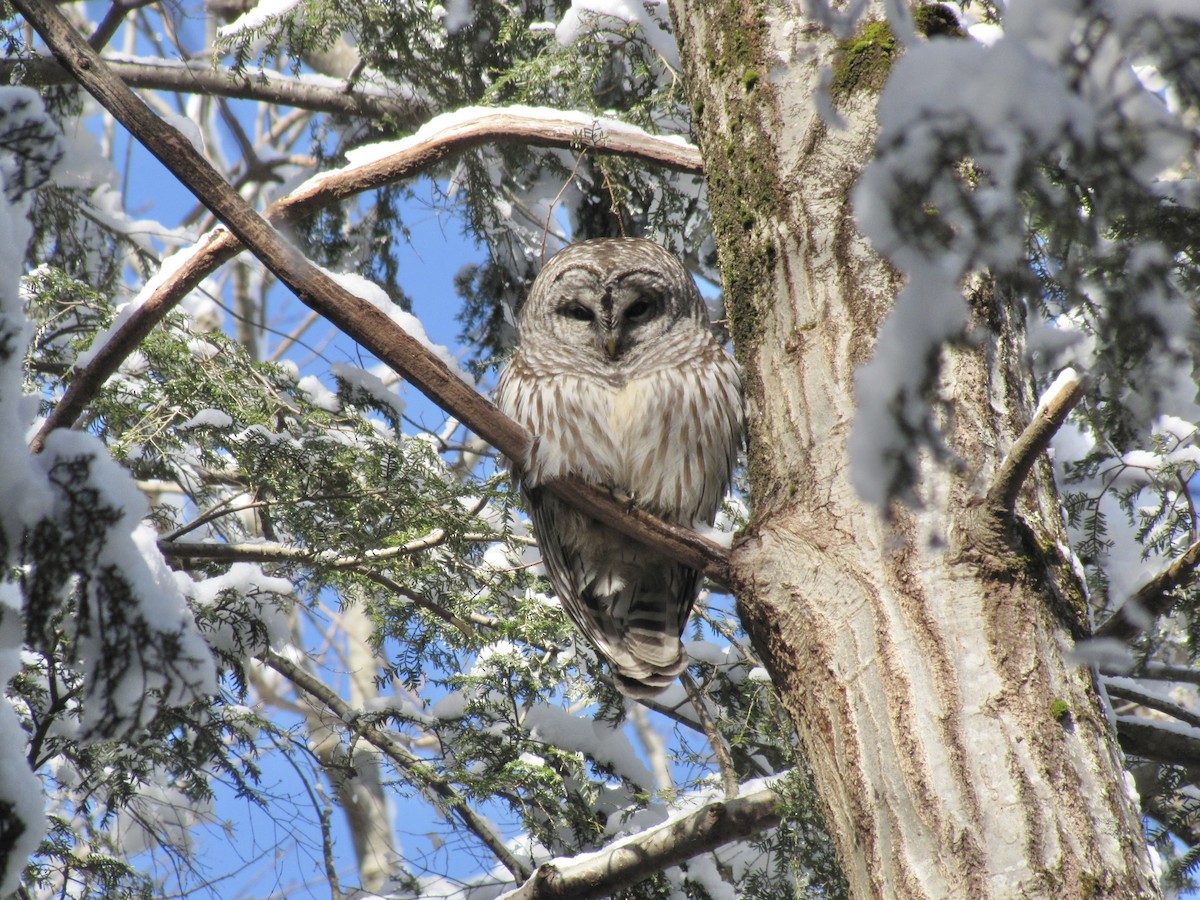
620 380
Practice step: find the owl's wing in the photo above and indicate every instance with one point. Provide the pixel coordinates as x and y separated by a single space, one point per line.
628 601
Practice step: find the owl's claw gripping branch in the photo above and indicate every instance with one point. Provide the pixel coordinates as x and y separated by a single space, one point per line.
357 318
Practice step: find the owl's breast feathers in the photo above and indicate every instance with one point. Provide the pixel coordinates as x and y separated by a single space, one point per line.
667 435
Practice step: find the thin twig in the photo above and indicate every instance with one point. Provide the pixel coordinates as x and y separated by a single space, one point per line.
419 772
716 740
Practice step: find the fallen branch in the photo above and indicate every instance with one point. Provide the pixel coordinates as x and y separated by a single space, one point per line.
641 855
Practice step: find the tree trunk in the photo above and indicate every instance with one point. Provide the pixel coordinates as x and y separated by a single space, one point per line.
924 658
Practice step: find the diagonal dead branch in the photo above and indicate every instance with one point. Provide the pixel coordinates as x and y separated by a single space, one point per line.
1057 403
639 856
371 327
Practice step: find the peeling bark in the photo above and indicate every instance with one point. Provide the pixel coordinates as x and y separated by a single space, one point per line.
922 655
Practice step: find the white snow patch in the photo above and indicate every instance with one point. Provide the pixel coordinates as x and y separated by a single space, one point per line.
208 418
651 15
319 395
261 15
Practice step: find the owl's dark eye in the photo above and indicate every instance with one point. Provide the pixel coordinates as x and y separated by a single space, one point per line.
640 311
578 312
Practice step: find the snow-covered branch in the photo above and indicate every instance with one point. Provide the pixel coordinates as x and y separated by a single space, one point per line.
638 856
1154 741
1152 599
1126 689
1060 398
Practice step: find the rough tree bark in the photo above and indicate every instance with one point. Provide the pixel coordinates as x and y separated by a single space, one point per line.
924 657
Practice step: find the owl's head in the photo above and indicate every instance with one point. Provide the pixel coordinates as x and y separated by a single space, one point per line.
611 299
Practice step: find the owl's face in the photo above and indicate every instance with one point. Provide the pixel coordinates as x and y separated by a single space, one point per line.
611 299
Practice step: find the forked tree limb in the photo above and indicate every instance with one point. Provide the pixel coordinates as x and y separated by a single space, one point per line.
371 327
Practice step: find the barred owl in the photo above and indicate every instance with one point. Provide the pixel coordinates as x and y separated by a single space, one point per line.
619 378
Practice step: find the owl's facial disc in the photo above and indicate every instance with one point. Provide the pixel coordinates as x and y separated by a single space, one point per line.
611 313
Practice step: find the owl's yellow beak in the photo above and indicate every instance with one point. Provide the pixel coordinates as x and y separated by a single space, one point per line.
610 346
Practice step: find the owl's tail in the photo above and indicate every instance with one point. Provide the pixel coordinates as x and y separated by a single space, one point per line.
639 614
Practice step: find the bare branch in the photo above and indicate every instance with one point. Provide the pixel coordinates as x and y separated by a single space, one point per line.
639 856
1051 413
266 551
421 773
112 21
282 553
198 78
1141 698
1149 740
1153 599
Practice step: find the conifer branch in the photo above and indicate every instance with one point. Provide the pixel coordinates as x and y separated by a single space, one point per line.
1152 599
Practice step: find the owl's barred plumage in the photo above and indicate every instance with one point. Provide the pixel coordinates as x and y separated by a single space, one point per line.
619 377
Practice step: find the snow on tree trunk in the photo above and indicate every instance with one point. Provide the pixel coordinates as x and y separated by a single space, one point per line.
925 660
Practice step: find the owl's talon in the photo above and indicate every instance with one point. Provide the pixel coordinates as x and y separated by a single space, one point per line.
627 500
